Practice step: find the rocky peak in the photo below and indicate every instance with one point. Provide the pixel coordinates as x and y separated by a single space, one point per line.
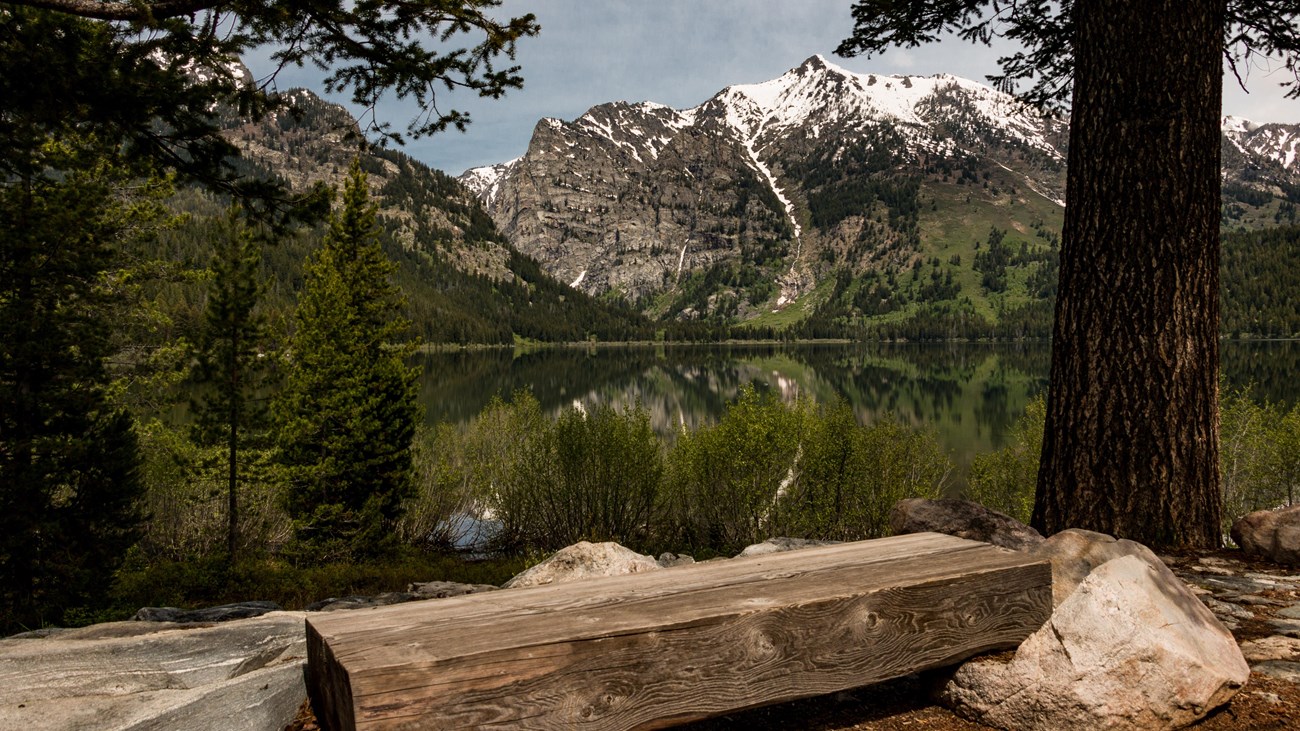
744 203
1276 143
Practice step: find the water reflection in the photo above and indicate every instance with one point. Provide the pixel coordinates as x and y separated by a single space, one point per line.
970 394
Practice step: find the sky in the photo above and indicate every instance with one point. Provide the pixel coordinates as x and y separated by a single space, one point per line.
681 53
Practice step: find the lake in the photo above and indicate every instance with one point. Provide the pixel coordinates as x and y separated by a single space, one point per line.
971 394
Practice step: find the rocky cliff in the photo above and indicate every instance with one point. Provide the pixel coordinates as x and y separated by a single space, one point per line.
746 203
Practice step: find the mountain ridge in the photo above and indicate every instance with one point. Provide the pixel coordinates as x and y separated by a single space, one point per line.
749 202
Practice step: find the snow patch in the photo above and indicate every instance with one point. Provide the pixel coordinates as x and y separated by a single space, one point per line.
485 181
581 276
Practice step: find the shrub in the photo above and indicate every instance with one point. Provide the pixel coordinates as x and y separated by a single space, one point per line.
723 480
585 476
185 502
850 476
1005 480
441 514
1259 450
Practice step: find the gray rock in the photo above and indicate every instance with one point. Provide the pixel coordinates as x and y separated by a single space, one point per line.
780 545
445 589
668 560
1227 610
355 601
238 674
1271 534
223 613
1075 553
1258 601
963 519
1291 612
1229 586
584 561
1287 627
1128 649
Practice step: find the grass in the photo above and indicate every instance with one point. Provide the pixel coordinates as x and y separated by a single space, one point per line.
212 581
792 313
963 217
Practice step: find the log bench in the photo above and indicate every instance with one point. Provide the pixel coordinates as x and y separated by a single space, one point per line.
660 648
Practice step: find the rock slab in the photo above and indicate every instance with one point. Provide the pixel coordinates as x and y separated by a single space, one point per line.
1128 649
781 545
243 674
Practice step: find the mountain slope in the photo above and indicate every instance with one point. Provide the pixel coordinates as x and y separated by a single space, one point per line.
463 282
873 197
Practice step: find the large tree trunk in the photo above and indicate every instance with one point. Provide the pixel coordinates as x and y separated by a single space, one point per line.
1131 444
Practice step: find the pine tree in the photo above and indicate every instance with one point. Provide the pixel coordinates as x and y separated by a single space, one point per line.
69 483
349 408
229 363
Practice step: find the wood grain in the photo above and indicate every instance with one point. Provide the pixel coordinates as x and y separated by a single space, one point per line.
653 650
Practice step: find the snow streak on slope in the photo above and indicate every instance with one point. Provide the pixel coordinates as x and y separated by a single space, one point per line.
742 120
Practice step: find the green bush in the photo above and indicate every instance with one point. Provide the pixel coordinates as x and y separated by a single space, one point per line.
1259 450
1005 480
850 476
723 479
584 476
212 581
441 512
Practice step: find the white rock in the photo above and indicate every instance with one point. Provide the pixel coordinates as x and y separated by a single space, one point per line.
781 545
584 561
1129 649
1075 553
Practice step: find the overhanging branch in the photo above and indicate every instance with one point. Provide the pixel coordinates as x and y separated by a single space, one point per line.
124 11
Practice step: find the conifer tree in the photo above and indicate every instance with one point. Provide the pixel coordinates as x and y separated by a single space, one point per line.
228 361
69 483
348 410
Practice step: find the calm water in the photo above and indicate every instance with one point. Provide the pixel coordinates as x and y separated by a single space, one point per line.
971 394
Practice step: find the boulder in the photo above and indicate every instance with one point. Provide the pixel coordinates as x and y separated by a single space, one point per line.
1074 554
668 560
1270 534
584 560
963 519
1130 648
145 675
780 545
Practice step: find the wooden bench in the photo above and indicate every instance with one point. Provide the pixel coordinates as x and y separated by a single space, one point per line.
660 648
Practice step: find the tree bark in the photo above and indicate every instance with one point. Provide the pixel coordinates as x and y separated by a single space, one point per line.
1131 441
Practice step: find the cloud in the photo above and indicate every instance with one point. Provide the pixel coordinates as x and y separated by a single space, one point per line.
680 53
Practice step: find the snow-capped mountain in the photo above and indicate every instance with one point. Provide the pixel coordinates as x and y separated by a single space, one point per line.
746 202
1275 143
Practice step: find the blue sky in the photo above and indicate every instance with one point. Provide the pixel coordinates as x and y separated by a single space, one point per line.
680 53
